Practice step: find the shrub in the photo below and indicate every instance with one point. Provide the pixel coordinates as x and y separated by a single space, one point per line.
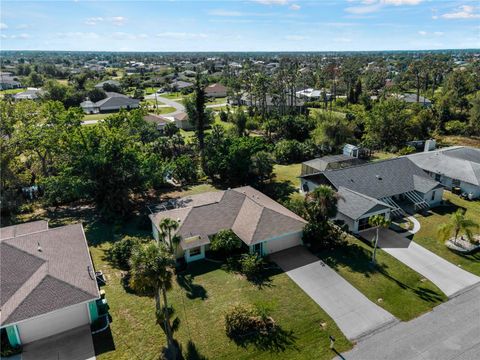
121 251
223 116
251 265
225 241
244 321
184 169
288 151
406 150
456 127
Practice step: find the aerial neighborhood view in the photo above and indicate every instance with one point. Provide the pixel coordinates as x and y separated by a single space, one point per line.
243 179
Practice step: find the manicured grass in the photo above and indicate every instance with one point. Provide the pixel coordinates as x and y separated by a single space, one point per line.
164 110
289 173
95 116
404 292
213 101
382 155
427 236
200 298
11 91
150 90
172 95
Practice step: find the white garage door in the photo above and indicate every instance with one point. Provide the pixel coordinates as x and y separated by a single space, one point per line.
283 243
53 323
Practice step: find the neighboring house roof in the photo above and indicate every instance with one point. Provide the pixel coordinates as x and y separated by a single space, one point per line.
116 100
29 94
327 162
355 205
214 88
109 82
456 162
380 179
412 98
43 270
253 216
181 84
157 119
181 116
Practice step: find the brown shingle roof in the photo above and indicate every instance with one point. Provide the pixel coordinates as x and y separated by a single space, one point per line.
44 271
253 216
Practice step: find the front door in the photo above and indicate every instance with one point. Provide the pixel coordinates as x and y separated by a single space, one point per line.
258 249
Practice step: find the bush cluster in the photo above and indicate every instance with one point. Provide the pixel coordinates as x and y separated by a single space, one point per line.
243 321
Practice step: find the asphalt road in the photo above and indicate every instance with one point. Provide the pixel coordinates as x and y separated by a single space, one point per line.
178 107
451 331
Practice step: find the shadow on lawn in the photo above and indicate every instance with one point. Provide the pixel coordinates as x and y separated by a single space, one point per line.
103 342
193 291
275 341
447 209
279 191
192 352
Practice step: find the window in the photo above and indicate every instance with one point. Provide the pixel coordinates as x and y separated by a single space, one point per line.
258 248
455 183
433 195
363 224
195 251
438 177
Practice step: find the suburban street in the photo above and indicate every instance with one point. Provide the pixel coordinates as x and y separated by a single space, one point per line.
450 331
178 107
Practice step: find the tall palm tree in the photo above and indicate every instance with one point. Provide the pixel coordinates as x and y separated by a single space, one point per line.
457 223
377 221
152 272
321 204
167 226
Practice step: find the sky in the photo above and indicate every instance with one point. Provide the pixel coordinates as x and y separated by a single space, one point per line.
239 25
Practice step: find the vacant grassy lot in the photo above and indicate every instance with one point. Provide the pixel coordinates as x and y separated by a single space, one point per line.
427 236
404 292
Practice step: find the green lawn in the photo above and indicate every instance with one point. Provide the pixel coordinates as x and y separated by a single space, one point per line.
172 95
427 236
213 101
11 91
382 155
164 110
95 116
404 292
285 173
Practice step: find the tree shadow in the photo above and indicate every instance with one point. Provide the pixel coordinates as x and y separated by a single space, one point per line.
446 209
356 258
103 342
193 291
192 352
277 340
279 190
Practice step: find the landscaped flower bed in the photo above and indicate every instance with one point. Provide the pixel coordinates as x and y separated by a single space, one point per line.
464 246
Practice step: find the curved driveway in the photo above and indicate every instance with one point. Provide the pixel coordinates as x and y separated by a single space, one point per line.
179 108
354 314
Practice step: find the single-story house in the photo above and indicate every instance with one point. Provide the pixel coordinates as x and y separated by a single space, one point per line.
313 94
261 223
158 120
113 102
9 81
412 99
216 91
182 122
453 167
389 187
29 94
48 281
180 85
113 83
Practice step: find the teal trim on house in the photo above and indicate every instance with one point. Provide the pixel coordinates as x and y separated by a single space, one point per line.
13 337
93 310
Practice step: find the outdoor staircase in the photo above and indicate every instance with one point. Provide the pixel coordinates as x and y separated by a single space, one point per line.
397 211
417 200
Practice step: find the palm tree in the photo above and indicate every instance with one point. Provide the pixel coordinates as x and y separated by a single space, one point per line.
167 226
377 221
152 272
457 223
321 204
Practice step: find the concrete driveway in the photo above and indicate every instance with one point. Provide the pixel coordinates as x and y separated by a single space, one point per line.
76 344
451 279
354 314
178 107
449 332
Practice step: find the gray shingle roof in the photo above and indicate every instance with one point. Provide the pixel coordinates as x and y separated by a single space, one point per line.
355 205
22 229
380 179
253 216
325 162
35 282
458 162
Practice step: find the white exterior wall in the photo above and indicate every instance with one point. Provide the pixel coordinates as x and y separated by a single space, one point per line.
200 256
464 186
53 323
436 199
311 185
385 213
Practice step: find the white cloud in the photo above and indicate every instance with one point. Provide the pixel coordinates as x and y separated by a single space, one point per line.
78 35
462 12
3 26
371 6
182 35
22 26
272 2
126 36
16 36
115 20
423 33
343 39
438 33
295 37
295 7
221 12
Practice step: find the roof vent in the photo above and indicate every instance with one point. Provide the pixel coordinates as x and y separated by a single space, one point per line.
378 177
39 248
178 220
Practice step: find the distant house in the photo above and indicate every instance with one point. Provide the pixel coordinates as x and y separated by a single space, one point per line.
8 81
390 188
216 91
264 226
48 281
313 95
112 83
180 85
113 102
412 99
182 121
158 120
453 167
29 94
272 103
